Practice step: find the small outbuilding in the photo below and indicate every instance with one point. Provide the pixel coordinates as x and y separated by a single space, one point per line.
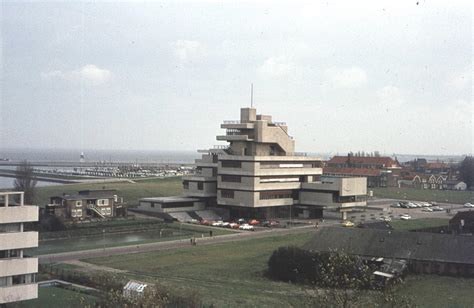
134 289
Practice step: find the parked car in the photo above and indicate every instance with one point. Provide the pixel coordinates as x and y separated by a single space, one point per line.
265 223
219 223
226 225
395 205
274 223
437 209
385 218
468 205
247 227
405 217
205 222
348 223
427 209
241 221
234 225
254 222
194 221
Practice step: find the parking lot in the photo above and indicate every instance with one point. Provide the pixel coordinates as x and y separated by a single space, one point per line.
377 208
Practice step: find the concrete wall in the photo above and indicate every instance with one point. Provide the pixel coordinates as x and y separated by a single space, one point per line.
18 240
209 189
14 214
146 207
18 266
18 293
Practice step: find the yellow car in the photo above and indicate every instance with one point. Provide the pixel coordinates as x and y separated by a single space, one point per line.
348 224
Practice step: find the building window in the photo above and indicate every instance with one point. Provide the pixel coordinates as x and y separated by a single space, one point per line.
276 194
231 164
103 202
227 193
13 227
231 178
200 185
186 184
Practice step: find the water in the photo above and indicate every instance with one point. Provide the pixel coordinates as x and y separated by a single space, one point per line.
6 183
73 155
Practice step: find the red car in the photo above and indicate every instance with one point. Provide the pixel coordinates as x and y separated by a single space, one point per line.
254 222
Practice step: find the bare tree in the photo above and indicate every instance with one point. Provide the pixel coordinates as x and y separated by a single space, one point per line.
25 181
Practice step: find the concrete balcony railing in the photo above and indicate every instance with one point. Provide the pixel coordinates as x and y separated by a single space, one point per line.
18 292
18 266
19 240
15 214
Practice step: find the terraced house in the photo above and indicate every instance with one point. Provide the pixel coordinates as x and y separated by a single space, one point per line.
259 174
17 272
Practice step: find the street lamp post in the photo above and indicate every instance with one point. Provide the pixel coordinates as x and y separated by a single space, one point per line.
103 237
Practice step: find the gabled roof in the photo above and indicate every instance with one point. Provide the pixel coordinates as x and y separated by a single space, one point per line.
387 161
468 217
352 171
395 244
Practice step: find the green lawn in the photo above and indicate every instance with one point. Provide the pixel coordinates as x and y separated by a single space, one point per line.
449 196
438 291
58 297
421 223
230 274
131 192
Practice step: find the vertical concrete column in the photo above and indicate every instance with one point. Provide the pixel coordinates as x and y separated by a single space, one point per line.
22 198
6 199
344 215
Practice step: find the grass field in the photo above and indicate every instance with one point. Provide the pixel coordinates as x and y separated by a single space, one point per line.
130 192
438 291
421 223
448 196
232 274
58 297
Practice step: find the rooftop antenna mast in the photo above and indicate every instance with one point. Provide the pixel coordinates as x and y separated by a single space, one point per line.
251 95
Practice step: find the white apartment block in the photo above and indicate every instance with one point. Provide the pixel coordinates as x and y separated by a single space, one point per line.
17 272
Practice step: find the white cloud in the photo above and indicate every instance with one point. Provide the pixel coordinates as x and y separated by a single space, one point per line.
89 73
353 77
460 80
187 51
390 96
276 67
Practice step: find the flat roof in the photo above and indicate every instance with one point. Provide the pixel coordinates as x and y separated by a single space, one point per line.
171 199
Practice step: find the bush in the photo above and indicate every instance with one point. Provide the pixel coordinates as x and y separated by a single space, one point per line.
334 269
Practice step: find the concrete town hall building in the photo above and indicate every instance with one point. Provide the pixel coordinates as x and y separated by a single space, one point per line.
259 174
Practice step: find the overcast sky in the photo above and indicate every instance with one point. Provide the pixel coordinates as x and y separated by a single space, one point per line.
392 76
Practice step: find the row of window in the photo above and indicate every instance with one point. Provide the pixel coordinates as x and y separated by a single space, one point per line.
76 212
264 195
12 227
9 281
99 202
199 184
10 253
106 211
276 194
